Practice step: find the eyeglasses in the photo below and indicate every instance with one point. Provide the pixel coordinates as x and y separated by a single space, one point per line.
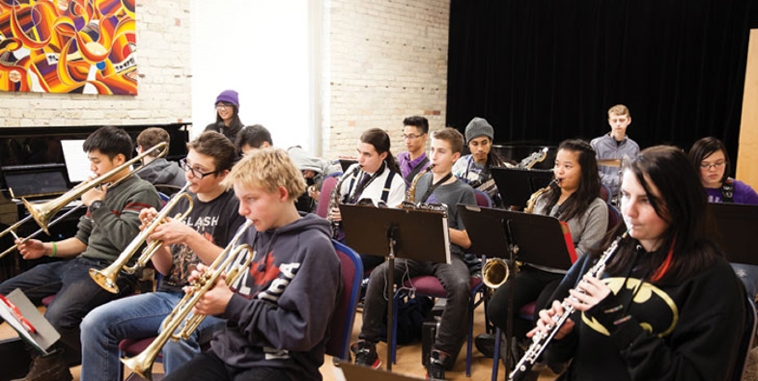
411 136
718 164
223 106
195 172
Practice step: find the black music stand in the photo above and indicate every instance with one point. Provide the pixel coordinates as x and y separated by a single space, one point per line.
736 225
346 163
524 237
517 185
396 233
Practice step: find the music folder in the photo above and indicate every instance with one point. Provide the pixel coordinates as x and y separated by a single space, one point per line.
736 224
354 372
44 334
541 240
419 235
516 185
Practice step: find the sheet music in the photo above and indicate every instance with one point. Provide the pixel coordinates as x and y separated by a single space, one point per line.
9 317
45 336
77 162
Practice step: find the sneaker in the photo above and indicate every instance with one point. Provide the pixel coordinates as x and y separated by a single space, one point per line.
435 369
365 354
50 367
485 344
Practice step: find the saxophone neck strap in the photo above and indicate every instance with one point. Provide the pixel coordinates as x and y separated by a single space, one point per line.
433 186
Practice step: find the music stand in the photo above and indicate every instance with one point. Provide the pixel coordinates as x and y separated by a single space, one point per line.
346 163
528 238
736 225
402 233
517 185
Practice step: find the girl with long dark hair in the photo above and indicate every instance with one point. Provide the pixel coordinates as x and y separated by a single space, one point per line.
668 306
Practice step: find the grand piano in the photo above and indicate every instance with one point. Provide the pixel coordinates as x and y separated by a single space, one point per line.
37 163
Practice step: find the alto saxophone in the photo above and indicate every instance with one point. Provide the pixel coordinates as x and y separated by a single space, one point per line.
410 193
541 340
533 199
410 197
336 199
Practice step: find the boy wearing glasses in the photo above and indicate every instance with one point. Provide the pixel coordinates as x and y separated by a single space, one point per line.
614 146
198 238
414 161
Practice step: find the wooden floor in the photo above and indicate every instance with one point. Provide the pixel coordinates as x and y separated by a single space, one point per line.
409 358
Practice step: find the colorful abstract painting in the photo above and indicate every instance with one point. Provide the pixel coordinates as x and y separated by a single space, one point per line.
68 46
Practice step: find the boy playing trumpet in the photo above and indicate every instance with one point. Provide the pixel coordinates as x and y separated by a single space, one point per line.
199 238
278 313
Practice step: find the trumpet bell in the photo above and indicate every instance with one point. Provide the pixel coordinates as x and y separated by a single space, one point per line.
495 272
142 364
105 278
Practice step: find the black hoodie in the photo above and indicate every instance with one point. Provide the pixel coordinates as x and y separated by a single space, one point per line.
280 315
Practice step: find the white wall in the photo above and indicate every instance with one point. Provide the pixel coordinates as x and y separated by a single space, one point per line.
260 49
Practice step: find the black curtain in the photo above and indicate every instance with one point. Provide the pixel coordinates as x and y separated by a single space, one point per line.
547 70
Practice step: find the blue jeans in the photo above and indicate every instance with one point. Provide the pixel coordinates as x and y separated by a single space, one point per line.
748 274
76 295
135 317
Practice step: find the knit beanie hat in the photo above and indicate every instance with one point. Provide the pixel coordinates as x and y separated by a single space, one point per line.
479 127
229 96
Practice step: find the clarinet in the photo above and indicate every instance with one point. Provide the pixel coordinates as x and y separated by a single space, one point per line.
336 198
541 340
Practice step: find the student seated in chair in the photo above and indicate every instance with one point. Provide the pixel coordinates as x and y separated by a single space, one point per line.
667 305
158 170
199 238
375 177
277 315
439 186
110 224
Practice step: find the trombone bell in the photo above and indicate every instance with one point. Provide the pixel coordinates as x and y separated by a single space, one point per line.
43 213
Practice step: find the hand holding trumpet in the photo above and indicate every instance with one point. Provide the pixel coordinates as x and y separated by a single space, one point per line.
170 231
214 301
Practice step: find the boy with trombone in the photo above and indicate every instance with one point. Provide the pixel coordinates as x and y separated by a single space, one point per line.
111 222
278 312
198 235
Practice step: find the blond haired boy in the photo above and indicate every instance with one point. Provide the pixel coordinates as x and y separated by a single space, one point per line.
277 313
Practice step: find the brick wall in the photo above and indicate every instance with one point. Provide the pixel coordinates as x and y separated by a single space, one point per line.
163 59
386 59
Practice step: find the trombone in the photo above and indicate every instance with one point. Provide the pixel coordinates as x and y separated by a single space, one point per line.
44 212
106 278
229 258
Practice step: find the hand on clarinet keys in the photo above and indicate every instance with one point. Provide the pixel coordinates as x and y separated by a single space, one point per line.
547 318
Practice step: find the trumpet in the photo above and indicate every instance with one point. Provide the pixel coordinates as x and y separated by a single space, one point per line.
106 278
44 212
229 258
